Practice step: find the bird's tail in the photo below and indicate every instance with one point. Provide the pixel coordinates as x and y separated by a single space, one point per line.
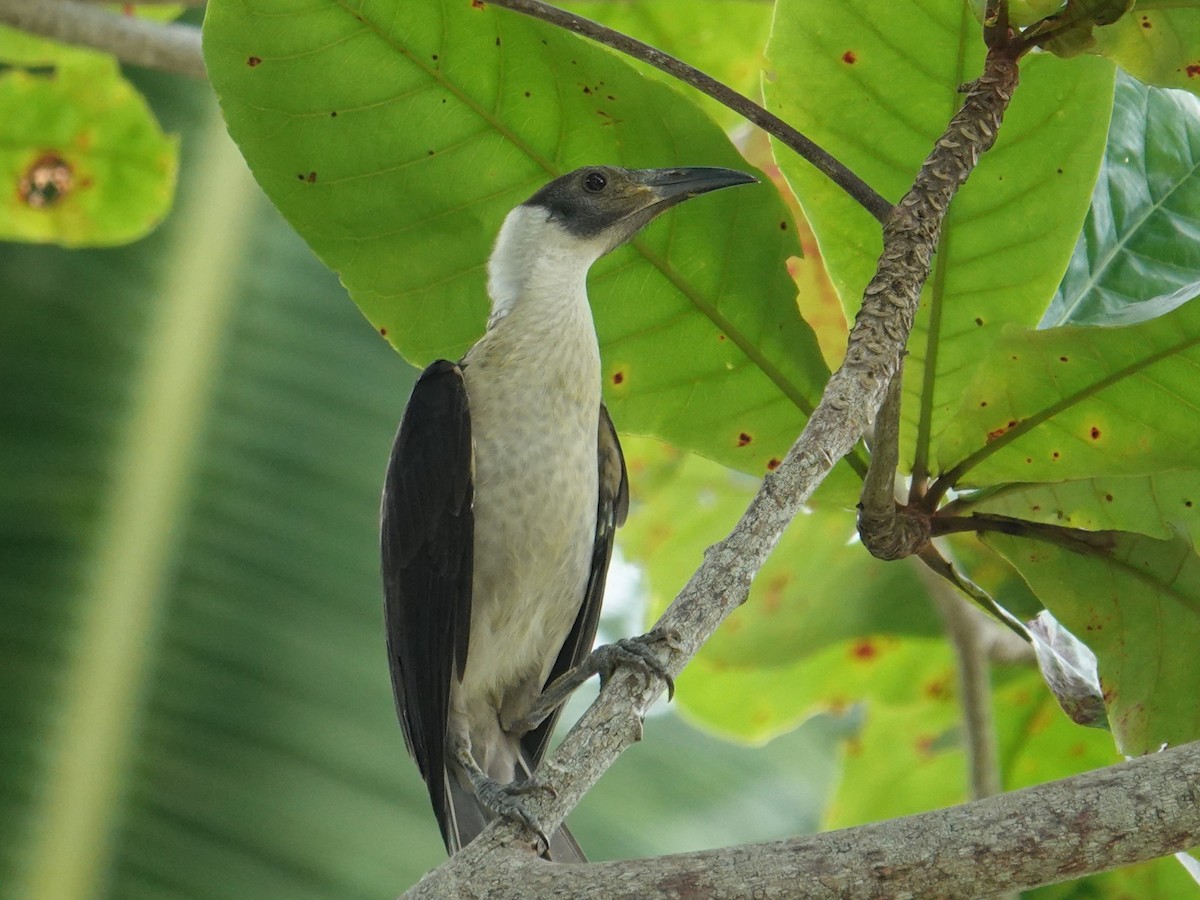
467 817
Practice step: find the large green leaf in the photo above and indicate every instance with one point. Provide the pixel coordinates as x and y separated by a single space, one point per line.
875 83
1158 42
1139 254
84 161
412 137
1080 402
1136 601
723 38
756 703
910 756
818 589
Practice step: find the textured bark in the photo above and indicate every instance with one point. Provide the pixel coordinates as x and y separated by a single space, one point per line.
1090 823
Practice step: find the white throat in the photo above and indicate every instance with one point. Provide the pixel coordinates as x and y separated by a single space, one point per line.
537 262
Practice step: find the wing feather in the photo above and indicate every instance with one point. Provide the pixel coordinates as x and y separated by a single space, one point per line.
427 532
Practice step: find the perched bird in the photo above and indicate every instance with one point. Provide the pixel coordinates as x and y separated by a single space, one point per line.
503 490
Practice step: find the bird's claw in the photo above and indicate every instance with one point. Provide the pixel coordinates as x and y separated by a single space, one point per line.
636 652
503 800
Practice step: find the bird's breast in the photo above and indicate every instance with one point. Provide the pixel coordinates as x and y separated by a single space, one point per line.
534 425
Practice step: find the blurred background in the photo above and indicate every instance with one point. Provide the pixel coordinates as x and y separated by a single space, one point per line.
192 673
193 684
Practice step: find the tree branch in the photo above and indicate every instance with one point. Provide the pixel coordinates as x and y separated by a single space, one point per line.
167 46
827 164
850 401
1116 816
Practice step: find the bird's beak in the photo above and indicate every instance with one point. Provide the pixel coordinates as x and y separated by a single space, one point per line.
652 192
666 187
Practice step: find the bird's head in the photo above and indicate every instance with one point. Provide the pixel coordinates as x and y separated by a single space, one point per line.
578 217
608 205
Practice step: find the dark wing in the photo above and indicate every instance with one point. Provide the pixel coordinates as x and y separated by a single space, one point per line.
427 533
611 510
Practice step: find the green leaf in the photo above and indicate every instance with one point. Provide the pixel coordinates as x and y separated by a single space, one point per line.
155 12
1136 602
1139 254
723 38
397 144
875 83
18 48
756 703
909 757
819 588
1078 402
1158 43
84 160
1021 12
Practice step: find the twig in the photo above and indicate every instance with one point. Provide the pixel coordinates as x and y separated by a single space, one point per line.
1116 816
942 567
838 173
167 46
1077 540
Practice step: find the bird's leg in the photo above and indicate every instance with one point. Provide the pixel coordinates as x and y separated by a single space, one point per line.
603 661
501 799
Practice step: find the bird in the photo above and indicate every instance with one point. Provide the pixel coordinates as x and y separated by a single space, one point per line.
503 490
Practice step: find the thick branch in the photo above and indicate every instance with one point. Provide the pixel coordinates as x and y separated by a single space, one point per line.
838 173
850 401
155 45
1100 820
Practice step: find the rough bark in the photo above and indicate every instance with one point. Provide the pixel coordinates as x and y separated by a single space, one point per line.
1053 832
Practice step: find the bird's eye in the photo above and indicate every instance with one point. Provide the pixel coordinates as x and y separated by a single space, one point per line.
594 182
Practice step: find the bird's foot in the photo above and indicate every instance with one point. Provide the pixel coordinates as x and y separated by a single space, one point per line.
603 661
504 800
638 653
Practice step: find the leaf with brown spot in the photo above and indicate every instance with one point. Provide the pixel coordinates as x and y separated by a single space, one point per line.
1133 385
90 165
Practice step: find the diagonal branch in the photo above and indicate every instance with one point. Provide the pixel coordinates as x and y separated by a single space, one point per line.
1116 816
851 399
838 173
155 45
